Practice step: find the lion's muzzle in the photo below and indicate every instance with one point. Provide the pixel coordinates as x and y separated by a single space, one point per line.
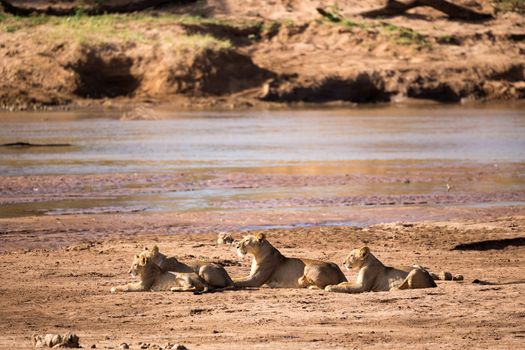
240 253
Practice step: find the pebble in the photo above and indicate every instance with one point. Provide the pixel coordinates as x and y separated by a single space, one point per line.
123 346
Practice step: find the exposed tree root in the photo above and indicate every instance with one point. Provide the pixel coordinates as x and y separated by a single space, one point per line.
396 8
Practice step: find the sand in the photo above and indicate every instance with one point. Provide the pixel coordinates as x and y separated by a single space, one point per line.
66 287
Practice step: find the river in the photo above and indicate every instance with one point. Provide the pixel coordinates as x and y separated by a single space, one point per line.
394 142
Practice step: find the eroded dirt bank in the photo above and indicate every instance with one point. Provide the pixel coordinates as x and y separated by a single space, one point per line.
67 288
259 54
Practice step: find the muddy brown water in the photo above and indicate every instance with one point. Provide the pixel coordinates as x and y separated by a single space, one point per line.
394 151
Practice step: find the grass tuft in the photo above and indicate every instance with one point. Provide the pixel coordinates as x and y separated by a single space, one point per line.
510 6
112 28
405 36
201 42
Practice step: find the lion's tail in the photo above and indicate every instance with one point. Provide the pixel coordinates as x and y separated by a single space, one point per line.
214 290
445 276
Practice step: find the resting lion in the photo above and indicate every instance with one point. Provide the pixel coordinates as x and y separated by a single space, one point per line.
151 277
272 268
213 274
374 276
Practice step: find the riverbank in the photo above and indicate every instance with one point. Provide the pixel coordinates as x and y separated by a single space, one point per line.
258 56
66 288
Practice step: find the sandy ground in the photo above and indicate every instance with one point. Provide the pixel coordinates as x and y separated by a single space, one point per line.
58 269
66 287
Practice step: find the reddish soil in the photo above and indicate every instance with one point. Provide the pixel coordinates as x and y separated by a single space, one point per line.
66 288
58 269
280 52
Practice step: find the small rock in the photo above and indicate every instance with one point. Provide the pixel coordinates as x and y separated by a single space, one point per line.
123 346
179 347
93 346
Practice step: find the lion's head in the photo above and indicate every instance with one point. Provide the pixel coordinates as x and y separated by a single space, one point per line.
251 244
140 263
356 258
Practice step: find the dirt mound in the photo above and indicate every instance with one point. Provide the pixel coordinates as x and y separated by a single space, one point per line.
110 70
199 73
363 87
255 53
103 71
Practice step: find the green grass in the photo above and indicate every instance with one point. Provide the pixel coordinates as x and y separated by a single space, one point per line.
399 35
510 6
404 36
354 24
333 15
113 28
201 42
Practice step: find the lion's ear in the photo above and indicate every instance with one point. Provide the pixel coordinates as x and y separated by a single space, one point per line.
260 236
364 251
155 249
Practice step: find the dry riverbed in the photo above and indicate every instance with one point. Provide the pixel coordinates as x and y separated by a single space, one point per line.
65 287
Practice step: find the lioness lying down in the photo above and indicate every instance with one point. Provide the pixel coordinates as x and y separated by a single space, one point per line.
374 276
272 268
213 274
151 277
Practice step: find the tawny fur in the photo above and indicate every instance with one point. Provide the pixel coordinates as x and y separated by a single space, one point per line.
271 268
374 276
151 277
213 274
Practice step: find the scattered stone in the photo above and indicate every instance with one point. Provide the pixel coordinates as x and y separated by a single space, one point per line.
225 238
123 346
93 346
50 340
179 347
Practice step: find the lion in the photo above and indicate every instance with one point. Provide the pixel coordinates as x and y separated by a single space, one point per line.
153 278
271 268
374 276
225 238
213 274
